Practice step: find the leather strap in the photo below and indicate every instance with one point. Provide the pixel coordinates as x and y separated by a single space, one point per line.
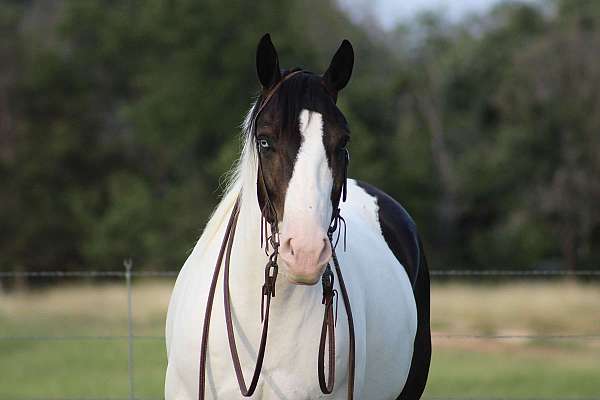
211 298
327 331
273 90
268 292
352 344
328 327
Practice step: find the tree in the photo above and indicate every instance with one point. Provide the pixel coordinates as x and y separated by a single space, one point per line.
558 103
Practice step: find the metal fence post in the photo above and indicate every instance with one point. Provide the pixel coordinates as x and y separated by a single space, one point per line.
128 264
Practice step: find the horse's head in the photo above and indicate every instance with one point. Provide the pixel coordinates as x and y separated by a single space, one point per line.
301 139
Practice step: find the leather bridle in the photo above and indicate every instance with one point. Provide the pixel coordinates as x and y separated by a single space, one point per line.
327 338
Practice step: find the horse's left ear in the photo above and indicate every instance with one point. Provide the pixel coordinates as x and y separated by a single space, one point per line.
338 74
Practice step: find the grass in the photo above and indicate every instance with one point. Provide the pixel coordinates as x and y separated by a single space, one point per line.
460 368
516 308
515 372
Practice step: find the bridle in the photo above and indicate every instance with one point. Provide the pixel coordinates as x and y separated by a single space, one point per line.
269 216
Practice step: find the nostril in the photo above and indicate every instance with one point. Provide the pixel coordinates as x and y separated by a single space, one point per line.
286 246
325 253
299 251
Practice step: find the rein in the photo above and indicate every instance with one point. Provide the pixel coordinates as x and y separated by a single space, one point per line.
268 292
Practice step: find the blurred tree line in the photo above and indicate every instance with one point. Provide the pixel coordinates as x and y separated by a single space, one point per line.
118 120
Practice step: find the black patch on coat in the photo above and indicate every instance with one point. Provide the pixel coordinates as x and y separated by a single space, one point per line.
401 236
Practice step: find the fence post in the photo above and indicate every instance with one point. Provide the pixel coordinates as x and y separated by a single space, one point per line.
128 264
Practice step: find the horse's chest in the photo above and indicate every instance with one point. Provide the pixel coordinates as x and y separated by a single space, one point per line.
384 314
290 364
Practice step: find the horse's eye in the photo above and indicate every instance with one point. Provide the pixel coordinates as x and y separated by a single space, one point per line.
263 143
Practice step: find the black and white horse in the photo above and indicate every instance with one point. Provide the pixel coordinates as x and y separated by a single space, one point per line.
299 140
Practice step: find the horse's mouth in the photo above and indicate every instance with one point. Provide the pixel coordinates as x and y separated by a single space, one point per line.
304 279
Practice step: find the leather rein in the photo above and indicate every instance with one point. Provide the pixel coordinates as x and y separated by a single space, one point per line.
327 338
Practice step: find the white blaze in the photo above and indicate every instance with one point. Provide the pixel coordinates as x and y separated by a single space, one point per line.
307 208
309 189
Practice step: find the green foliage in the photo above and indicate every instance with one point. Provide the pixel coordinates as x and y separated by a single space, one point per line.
119 119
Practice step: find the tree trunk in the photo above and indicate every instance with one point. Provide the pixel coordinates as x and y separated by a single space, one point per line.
448 206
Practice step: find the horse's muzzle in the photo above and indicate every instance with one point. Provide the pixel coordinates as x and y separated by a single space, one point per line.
305 257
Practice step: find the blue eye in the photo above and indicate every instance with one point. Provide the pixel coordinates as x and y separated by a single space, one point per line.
264 144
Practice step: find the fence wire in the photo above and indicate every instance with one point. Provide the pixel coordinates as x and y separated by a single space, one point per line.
515 273
86 274
127 274
113 273
423 398
60 338
510 398
590 273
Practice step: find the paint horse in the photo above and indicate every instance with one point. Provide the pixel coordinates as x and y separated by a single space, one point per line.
292 175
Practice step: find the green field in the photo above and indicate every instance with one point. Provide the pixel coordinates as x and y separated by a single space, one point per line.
516 368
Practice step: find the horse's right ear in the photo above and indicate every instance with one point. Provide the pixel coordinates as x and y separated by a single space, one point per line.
267 63
338 74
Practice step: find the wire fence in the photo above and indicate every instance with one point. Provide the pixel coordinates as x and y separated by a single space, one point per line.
459 273
127 274
425 398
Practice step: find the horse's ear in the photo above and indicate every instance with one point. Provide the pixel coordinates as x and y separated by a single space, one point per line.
267 63
338 74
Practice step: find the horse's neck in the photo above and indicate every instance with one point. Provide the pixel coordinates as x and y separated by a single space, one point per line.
248 258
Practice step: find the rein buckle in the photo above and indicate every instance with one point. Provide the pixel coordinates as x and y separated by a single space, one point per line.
268 288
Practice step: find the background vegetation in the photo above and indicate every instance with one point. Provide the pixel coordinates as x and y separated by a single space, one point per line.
118 118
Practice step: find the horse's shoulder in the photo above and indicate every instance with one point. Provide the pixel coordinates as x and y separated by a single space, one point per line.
398 228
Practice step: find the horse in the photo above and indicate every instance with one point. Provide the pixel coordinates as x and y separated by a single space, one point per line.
291 177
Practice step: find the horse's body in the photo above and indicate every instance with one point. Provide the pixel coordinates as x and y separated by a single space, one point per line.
380 292
388 286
